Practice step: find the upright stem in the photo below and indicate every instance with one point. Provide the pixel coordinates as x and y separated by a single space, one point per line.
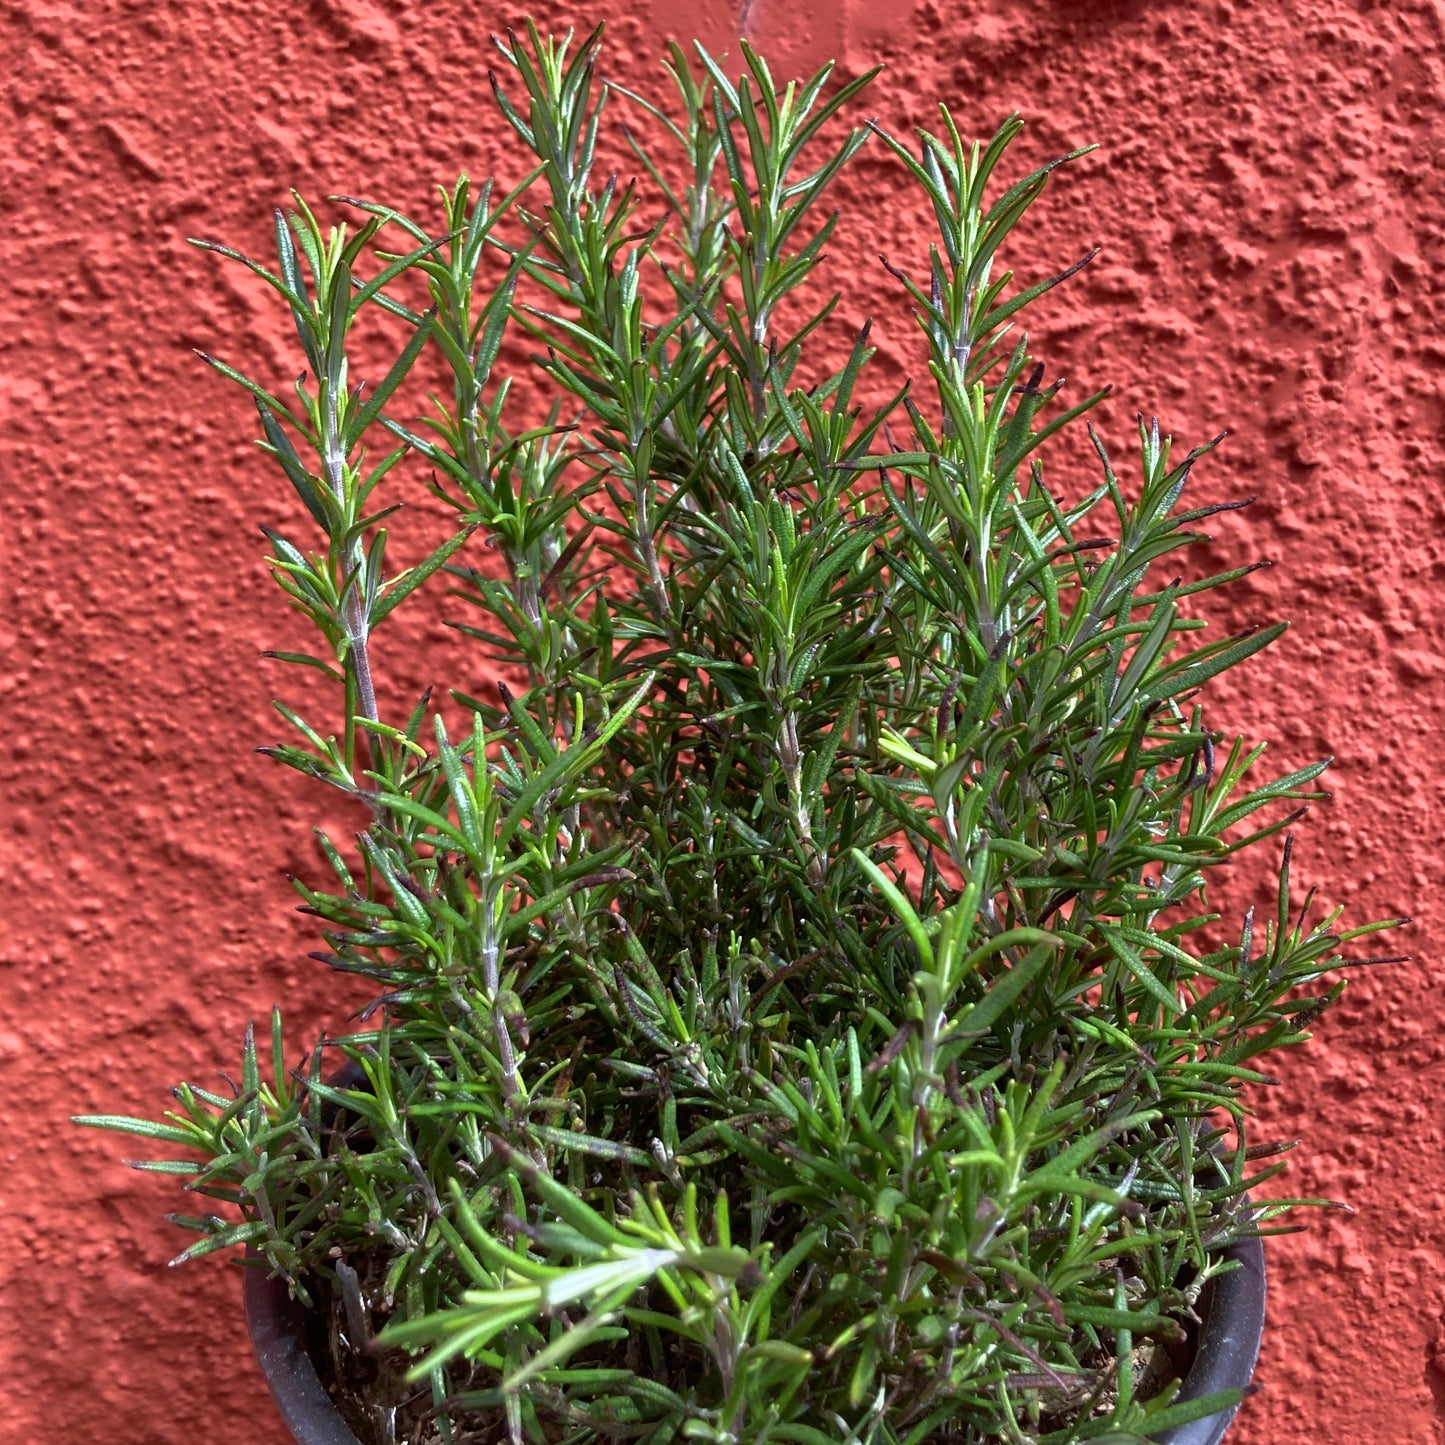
353 613
792 760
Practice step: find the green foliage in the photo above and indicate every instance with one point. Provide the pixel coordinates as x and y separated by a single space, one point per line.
792 1023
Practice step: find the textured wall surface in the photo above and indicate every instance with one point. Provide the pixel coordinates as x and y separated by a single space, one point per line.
1269 195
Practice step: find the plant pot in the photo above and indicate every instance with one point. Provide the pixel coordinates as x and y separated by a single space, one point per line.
278 1335
1231 1310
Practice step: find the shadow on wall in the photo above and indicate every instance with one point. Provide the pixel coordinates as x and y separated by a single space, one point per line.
1435 1369
855 32
1102 12
795 37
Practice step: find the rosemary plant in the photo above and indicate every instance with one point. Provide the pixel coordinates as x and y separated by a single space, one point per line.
793 1022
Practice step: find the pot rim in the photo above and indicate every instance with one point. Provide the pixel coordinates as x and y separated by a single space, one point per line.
1229 1341
273 1320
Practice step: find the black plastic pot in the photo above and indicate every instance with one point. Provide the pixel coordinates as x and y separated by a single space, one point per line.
278 1336
1232 1309
1232 1313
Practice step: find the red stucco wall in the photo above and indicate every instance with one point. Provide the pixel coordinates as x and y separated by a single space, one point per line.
1269 192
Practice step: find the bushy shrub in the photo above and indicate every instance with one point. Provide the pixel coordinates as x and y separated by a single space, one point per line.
791 1019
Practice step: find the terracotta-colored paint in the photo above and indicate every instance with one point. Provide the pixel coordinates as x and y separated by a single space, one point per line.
1271 198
